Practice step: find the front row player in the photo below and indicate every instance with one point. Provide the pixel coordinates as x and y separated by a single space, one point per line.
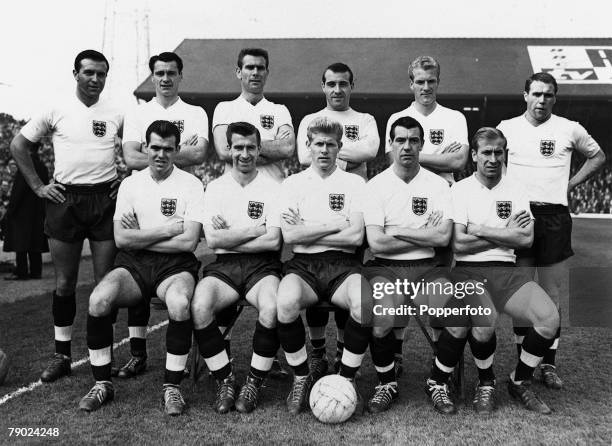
321 216
491 219
244 232
157 228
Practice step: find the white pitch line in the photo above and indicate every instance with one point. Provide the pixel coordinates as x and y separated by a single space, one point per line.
80 362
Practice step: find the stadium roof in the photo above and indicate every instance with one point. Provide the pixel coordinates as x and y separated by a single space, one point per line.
470 67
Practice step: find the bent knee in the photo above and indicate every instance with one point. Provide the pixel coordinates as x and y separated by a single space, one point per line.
483 334
458 332
100 304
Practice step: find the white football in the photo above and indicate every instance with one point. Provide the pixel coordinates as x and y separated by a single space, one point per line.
333 399
4 366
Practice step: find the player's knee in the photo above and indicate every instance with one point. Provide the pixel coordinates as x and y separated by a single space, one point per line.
380 331
548 322
267 313
100 302
65 286
178 307
458 332
201 309
483 334
288 308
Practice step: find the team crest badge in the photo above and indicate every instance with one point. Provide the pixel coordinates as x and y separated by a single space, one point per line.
547 147
168 206
180 123
419 205
504 209
255 209
436 136
336 202
267 121
351 132
98 128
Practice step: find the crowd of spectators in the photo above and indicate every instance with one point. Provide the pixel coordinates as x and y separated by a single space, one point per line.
592 196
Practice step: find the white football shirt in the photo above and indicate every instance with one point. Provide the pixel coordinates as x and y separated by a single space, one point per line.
360 136
267 116
242 207
322 200
475 203
393 202
83 139
540 157
441 127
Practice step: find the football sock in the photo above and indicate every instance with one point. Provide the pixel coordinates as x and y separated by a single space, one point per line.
356 343
293 339
449 352
212 349
99 343
225 318
317 339
549 356
533 349
341 317
398 340
383 357
519 336
138 320
483 353
178 343
64 311
265 346
317 319
35 263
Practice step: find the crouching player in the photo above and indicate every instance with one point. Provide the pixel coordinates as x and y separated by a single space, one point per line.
243 228
406 216
491 219
321 215
157 228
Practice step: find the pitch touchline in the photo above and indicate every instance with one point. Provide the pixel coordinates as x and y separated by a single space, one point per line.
79 363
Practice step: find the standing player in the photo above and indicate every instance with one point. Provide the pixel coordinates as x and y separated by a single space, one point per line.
407 214
157 227
445 149
359 145
245 234
540 147
277 136
192 122
491 220
322 218
272 120
80 202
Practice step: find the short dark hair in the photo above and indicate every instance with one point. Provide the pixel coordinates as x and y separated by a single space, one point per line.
163 129
256 52
541 77
408 123
167 57
338 67
90 54
487 134
242 128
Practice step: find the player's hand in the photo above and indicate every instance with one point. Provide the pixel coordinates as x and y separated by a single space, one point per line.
191 141
52 192
292 217
114 189
129 221
519 220
175 228
452 147
284 133
343 224
434 220
219 222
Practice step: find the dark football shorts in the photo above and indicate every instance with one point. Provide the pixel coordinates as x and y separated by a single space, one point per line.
325 271
392 270
87 213
243 271
501 279
149 268
552 235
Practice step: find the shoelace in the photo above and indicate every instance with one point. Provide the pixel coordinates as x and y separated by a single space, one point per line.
440 394
173 395
383 394
316 363
299 387
483 392
529 396
249 391
98 391
226 389
131 363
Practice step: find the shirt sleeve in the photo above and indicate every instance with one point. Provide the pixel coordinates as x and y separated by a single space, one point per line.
124 200
459 205
195 205
445 203
302 137
288 197
386 135
284 117
202 123
131 128
220 115
373 207
583 142
211 204
359 197
522 201
37 127
462 131
273 214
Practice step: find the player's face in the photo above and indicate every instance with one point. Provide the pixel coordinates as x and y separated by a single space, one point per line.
166 78
337 88
424 86
406 145
489 158
540 100
161 153
91 78
324 150
253 74
244 152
